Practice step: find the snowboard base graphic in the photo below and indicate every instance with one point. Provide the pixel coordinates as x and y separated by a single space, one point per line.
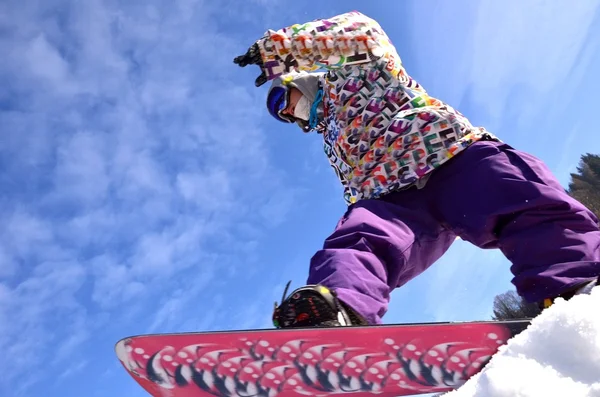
387 360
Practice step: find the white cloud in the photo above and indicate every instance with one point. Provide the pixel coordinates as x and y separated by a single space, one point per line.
27 238
78 334
8 265
46 63
210 190
73 369
26 231
155 253
32 309
114 283
182 307
509 32
81 170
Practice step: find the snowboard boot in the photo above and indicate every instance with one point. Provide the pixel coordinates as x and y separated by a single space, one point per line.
582 289
313 306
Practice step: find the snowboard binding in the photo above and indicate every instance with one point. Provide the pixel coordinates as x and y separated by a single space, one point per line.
581 289
313 306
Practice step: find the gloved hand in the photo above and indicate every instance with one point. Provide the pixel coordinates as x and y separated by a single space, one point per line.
252 57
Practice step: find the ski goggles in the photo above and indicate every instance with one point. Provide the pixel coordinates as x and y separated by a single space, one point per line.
277 100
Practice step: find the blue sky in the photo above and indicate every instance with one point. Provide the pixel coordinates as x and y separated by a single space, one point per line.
145 189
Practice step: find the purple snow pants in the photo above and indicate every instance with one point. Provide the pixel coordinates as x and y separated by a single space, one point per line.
490 195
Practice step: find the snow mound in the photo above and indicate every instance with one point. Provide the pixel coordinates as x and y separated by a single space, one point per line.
557 355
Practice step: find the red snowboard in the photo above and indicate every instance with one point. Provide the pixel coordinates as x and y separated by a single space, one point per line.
389 360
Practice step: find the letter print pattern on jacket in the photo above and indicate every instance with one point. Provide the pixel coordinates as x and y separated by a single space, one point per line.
383 131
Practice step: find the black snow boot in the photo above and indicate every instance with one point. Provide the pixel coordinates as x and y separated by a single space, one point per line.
314 306
585 288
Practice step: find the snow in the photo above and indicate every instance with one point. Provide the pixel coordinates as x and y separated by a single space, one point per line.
557 355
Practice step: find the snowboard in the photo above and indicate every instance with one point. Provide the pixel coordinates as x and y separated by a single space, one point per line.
383 360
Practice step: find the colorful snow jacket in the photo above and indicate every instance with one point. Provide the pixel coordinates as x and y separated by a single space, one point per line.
383 131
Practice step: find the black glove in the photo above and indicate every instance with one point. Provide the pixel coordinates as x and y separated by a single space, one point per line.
252 57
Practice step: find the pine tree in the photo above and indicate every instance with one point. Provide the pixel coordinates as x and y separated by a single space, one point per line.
510 306
585 184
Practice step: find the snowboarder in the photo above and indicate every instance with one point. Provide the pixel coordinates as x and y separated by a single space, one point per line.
416 174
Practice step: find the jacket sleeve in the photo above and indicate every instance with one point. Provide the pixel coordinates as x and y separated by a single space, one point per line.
346 39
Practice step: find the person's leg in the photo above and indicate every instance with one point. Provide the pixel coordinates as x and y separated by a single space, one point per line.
497 197
377 246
